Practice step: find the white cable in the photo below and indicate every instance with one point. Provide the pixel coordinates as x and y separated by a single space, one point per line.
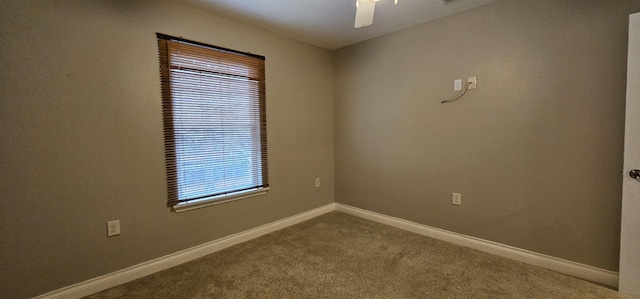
464 90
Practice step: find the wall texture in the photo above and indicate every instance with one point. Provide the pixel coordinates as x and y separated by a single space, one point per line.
81 137
536 150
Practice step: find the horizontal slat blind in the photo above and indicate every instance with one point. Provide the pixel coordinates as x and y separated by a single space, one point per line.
214 120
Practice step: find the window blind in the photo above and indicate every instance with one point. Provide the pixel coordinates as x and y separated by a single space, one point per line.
214 116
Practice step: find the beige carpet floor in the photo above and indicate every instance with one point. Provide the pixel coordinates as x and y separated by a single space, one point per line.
341 256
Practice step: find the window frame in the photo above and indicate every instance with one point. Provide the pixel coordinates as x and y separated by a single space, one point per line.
259 153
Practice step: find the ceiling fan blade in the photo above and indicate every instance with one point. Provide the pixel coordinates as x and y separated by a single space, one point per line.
364 13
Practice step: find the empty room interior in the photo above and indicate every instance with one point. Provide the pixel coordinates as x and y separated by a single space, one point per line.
527 164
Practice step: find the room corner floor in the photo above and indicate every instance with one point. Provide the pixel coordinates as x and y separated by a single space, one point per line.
341 256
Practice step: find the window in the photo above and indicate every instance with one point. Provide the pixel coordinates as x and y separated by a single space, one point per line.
215 134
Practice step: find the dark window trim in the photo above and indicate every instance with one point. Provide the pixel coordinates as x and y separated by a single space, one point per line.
182 40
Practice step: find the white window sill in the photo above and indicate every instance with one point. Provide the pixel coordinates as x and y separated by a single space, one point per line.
183 207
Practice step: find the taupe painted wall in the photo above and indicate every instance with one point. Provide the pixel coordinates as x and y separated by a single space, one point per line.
536 150
81 137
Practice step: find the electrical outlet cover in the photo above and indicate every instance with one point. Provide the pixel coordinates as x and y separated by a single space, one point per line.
473 81
113 228
456 199
457 84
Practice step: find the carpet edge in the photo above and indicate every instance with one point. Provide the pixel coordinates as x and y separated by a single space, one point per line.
119 277
583 271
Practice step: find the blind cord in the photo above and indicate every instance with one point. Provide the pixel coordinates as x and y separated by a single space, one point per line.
464 90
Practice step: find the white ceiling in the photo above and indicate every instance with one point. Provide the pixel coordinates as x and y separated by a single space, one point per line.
329 23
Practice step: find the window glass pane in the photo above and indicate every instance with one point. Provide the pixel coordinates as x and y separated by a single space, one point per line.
215 125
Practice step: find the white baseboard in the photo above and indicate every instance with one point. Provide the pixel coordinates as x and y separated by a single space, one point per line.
110 280
579 270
